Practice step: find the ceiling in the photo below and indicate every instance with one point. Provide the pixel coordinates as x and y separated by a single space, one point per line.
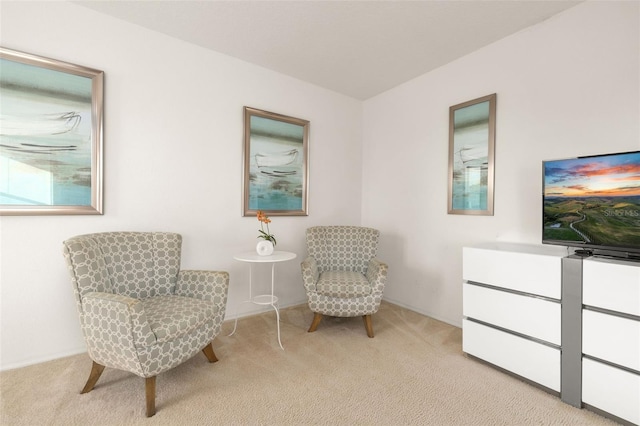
357 48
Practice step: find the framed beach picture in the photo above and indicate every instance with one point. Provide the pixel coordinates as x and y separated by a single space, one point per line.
472 129
50 136
276 164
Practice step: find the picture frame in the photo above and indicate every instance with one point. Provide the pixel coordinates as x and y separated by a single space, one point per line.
51 136
276 164
472 130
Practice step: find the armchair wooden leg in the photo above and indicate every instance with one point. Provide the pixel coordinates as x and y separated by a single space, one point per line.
150 387
96 372
208 352
314 324
368 325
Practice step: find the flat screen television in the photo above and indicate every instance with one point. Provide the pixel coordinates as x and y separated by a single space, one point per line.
593 203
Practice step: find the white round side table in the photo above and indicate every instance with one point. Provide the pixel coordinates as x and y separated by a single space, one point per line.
263 299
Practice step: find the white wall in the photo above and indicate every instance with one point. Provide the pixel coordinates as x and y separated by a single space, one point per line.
566 87
172 160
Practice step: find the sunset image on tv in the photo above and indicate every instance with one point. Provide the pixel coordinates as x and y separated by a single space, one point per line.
593 200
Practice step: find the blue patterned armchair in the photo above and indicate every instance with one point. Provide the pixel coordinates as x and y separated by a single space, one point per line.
138 311
341 274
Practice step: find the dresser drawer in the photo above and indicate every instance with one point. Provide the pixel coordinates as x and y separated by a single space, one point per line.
531 316
534 361
611 338
613 285
611 389
528 272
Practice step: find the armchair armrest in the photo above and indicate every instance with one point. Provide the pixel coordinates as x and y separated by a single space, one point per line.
127 324
377 275
310 273
212 286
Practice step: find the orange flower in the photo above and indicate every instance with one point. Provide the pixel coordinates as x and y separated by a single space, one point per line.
263 218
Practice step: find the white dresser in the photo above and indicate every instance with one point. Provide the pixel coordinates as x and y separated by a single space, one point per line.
569 324
512 309
611 337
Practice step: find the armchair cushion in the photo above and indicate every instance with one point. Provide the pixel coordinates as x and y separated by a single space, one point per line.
344 284
171 317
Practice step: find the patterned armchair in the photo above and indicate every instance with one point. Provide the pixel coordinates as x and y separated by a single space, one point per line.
138 311
342 276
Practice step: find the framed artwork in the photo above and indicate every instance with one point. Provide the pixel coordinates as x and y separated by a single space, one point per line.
472 130
276 164
50 136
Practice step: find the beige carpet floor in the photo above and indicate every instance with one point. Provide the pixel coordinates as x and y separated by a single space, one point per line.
412 373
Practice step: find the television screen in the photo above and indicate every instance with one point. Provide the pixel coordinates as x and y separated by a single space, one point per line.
593 202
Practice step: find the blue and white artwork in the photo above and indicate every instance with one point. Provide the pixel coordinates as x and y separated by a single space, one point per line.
471 157
45 136
276 165
471 153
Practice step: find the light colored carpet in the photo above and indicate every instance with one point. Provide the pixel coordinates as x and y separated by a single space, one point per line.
412 372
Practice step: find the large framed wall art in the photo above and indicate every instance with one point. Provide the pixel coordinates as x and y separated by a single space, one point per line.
276 164
472 129
50 136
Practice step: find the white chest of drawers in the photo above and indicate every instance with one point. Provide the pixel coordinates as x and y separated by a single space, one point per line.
512 310
611 337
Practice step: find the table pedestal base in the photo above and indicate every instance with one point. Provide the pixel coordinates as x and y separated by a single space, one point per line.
264 299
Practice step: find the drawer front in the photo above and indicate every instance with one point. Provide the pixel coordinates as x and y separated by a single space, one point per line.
611 338
527 272
611 389
527 315
534 361
611 285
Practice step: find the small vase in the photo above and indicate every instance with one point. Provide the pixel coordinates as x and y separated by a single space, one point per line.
264 248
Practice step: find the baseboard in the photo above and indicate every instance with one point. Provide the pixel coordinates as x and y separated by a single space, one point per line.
259 309
46 358
425 313
83 348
